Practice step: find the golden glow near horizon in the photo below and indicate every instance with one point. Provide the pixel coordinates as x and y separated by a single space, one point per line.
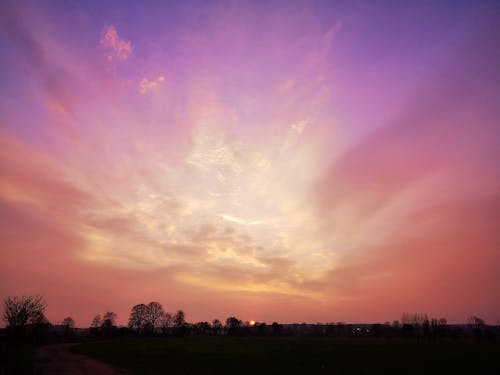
226 204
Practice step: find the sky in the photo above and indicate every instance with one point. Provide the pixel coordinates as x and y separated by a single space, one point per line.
276 161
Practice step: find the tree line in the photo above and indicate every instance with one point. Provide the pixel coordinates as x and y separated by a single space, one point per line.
25 316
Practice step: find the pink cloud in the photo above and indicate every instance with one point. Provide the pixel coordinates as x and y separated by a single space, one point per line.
118 48
146 84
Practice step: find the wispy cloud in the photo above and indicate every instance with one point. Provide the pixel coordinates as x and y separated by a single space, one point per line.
331 33
35 56
240 220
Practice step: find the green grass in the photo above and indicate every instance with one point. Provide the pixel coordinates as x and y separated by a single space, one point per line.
251 355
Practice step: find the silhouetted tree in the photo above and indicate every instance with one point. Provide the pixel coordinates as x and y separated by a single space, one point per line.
419 322
233 322
477 324
232 325
68 322
415 319
96 321
216 326
108 323
179 318
138 317
202 328
165 322
19 311
475 321
39 318
179 323
108 320
95 325
154 313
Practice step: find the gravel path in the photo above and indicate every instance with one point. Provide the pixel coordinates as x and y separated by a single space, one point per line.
58 359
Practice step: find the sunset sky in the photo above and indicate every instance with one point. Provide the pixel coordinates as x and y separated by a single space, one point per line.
276 161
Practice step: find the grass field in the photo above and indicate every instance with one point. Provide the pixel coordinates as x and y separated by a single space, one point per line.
251 355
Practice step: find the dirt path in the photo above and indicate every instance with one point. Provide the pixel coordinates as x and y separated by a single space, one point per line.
58 359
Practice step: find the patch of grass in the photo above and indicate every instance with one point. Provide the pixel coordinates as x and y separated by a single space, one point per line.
269 355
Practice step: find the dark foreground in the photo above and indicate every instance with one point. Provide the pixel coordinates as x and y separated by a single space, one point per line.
268 355
59 359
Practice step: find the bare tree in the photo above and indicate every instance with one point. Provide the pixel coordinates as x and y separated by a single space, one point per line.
477 324
138 316
96 322
108 320
19 311
475 321
415 319
155 311
39 318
